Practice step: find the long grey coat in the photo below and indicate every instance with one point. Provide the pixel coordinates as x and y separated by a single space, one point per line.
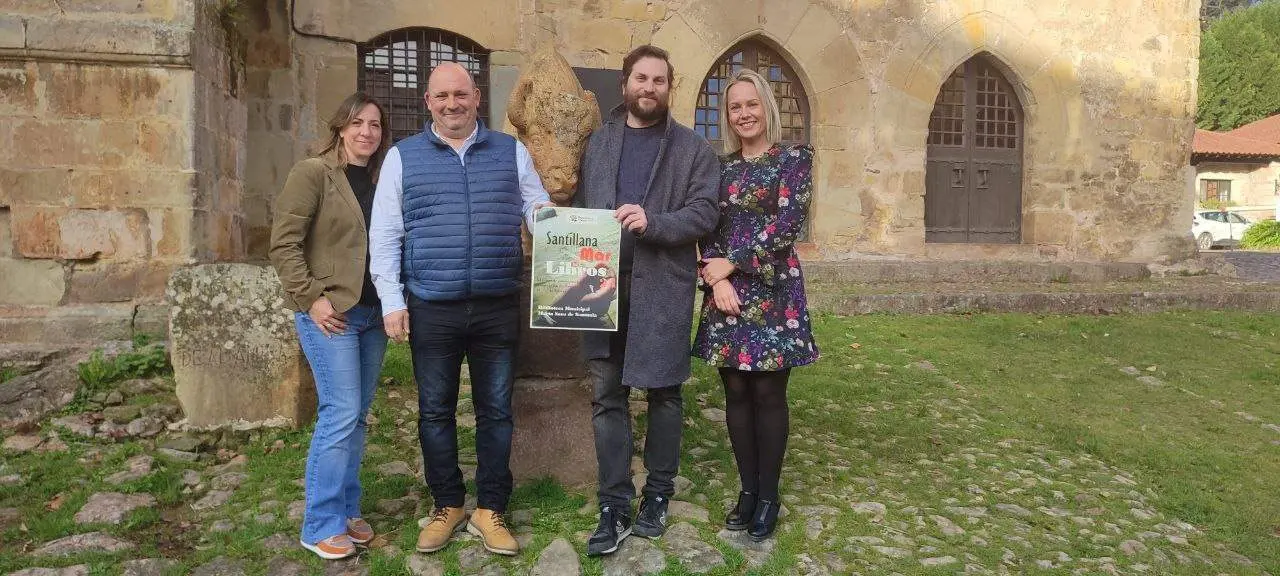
681 205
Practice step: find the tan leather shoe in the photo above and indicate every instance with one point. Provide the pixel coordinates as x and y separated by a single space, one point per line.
444 522
359 530
492 528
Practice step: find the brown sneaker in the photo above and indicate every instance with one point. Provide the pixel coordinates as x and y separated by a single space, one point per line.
332 548
359 530
444 522
490 526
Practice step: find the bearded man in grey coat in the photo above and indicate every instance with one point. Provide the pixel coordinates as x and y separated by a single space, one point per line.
662 181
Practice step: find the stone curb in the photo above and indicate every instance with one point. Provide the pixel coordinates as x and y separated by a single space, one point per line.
1043 302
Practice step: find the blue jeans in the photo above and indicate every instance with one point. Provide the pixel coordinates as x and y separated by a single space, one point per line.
346 368
485 331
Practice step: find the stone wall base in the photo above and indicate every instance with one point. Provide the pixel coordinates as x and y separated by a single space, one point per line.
1043 302
970 271
80 325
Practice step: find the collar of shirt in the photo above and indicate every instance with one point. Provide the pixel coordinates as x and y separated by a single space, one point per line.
462 151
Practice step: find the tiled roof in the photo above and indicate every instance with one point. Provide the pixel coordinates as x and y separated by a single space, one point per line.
1266 130
1208 143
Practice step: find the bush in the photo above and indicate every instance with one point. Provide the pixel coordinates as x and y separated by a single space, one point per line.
99 372
1264 234
1215 204
143 362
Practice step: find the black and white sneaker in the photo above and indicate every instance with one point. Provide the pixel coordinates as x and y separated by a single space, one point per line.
614 527
651 522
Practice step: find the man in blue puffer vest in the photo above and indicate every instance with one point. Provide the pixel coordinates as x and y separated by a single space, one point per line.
445 232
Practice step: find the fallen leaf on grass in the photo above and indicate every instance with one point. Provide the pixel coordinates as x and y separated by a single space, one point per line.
56 503
855 346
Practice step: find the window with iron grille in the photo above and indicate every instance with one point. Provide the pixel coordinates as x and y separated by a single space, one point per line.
394 68
993 109
1215 191
793 105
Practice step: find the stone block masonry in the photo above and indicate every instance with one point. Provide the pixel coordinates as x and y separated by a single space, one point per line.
122 157
139 136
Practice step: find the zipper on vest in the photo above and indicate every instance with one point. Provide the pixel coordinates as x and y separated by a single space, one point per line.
466 189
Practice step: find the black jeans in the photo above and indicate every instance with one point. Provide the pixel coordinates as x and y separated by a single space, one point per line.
484 331
611 419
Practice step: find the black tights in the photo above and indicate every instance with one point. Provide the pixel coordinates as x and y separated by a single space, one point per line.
756 414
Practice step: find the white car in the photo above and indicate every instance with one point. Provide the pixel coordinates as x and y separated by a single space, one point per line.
1214 228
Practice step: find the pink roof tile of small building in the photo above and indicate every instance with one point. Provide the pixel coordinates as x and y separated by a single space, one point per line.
1208 143
1266 130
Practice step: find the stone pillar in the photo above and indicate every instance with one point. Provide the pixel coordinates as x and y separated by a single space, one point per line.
234 348
553 116
552 403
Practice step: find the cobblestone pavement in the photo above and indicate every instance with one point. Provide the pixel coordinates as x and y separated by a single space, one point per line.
1255 266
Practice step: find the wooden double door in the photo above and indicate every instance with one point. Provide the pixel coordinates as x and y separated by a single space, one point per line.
973 185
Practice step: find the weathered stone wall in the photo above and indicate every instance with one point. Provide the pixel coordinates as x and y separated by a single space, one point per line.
1107 88
110 165
218 58
137 136
273 106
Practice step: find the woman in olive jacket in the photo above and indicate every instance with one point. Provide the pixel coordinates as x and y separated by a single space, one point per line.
319 246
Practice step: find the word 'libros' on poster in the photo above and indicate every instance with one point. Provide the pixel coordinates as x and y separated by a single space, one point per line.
575 269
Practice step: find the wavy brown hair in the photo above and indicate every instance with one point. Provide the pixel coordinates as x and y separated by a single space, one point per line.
342 117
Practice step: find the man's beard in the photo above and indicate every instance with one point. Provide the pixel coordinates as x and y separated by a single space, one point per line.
658 112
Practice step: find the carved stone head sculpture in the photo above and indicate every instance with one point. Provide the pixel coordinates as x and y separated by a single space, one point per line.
553 116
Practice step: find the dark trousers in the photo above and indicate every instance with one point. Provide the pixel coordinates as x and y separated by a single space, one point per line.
611 419
485 332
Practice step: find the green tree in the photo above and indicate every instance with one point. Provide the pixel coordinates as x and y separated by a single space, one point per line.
1211 10
1240 67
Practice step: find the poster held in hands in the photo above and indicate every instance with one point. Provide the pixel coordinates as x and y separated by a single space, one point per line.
575 269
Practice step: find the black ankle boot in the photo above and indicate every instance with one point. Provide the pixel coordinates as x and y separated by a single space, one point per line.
740 517
764 520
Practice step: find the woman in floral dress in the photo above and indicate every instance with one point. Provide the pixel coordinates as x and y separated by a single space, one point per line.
755 324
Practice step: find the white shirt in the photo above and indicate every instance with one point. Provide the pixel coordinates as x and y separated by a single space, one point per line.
386 227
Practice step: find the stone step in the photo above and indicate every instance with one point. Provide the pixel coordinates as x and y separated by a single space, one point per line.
966 271
1043 302
80 325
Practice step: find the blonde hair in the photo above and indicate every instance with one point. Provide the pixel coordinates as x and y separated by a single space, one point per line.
342 117
772 118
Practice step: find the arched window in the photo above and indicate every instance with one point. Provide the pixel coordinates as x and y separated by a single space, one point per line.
973 185
754 55
394 69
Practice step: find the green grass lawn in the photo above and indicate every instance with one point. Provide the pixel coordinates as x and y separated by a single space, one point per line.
1043 444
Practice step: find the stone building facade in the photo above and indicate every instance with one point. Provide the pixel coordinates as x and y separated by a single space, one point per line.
141 135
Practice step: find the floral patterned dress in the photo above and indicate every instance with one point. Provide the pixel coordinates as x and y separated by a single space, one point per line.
764 203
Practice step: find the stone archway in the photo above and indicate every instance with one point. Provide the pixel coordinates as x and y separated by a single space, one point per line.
805 33
819 46
759 55
1043 82
395 65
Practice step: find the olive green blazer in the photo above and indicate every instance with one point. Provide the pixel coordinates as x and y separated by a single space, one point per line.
319 241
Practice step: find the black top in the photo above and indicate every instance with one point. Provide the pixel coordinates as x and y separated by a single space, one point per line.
362 184
639 152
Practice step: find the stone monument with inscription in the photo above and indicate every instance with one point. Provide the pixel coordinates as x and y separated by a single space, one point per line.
552 116
234 348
